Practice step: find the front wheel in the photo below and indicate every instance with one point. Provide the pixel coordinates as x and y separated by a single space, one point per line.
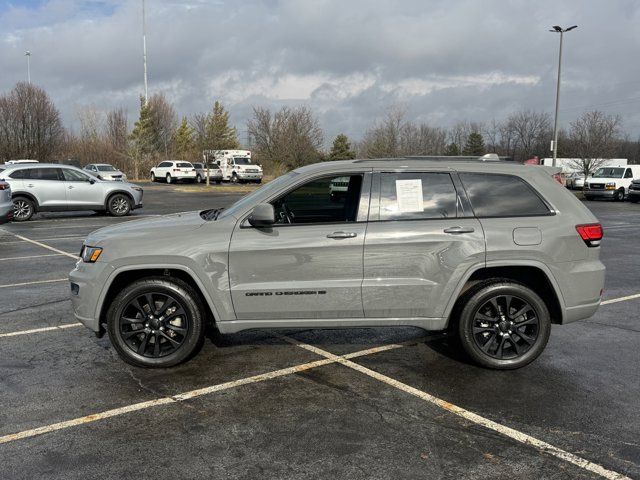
619 196
198 179
168 178
153 177
119 205
156 322
503 324
234 178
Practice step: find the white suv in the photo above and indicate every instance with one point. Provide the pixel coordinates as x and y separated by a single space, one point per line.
173 171
611 182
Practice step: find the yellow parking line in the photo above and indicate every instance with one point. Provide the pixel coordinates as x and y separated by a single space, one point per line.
22 284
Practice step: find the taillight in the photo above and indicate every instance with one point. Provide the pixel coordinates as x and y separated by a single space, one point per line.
591 234
176 169
558 178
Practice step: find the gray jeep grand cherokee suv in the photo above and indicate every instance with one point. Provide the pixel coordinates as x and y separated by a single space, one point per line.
493 251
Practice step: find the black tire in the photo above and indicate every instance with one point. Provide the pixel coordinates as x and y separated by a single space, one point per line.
218 182
518 339
198 179
168 178
234 178
259 181
119 205
188 334
23 209
153 177
619 196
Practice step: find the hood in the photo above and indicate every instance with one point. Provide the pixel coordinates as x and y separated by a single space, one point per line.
149 228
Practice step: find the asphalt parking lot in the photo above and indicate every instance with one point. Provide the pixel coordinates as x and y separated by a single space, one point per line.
357 403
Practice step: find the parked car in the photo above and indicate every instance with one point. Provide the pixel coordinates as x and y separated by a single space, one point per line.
575 181
611 182
47 187
492 251
6 204
173 171
634 191
215 174
24 160
104 171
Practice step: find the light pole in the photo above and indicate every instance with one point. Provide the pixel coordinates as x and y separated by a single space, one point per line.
28 55
560 30
144 54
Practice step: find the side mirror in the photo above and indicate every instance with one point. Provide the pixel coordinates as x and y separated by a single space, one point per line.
263 215
92 181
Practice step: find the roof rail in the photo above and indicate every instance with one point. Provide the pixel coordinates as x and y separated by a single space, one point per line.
489 157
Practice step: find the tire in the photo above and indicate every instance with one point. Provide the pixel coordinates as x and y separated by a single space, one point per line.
218 182
23 209
168 178
507 342
259 181
119 205
619 196
234 178
198 179
153 177
159 349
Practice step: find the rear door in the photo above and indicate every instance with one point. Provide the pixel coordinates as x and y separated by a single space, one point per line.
47 186
420 242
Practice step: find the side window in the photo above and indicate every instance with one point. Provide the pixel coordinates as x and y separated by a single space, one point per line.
44 174
628 173
408 196
323 200
20 174
74 176
494 195
164 164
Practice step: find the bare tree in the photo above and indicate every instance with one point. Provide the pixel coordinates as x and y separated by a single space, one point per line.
30 125
163 122
383 139
459 133
594 137
529 131
288 139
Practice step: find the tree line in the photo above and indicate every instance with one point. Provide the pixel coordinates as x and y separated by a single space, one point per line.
31 127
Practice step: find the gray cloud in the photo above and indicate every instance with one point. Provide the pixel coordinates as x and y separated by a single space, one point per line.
443 60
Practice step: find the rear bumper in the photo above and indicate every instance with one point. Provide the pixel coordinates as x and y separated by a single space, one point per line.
581 284
6 213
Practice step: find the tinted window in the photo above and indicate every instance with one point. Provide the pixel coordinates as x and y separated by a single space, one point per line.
44 174
74 176
20 174
324 200
628 173
405 196
184 165
165 164
198 165
494 195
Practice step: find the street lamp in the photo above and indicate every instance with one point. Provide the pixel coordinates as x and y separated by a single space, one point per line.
144 53
554 146
28 55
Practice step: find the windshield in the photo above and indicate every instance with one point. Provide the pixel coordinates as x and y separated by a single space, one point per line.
609 172
242 160
262 191
184 165
106 168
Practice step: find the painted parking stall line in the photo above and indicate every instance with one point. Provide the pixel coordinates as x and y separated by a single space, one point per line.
38 282
48 247
28 257
620 299
181 397
40 330
466 414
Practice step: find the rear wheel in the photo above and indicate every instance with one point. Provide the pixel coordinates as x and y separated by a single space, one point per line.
153 177
119 205
234 178
23 209
198 179
156 322
168 178
503 324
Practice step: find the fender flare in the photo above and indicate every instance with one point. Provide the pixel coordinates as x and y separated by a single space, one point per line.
28 195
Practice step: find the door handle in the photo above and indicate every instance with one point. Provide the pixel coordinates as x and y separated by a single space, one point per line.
70 187
30 185
459 230
342 235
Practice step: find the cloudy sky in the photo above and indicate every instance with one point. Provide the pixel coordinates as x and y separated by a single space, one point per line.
442 60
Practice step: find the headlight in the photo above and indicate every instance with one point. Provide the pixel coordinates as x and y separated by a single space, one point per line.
610 186
90 254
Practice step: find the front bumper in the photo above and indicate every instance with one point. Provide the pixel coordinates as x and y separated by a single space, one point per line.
633 193
599 193
87 281
249 176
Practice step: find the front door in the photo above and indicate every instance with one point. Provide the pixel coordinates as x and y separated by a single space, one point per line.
81 192
309 264
419 245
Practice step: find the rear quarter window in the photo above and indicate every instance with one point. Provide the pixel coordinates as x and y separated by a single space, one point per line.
498 195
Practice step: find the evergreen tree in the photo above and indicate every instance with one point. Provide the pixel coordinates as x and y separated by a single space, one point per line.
142 138
183 140
341 149
213 130
474 145
452 150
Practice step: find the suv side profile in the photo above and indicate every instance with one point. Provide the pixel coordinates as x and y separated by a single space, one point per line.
42 187
173 171
493 252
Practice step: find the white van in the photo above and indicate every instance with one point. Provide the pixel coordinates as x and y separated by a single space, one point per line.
236 166
611 182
